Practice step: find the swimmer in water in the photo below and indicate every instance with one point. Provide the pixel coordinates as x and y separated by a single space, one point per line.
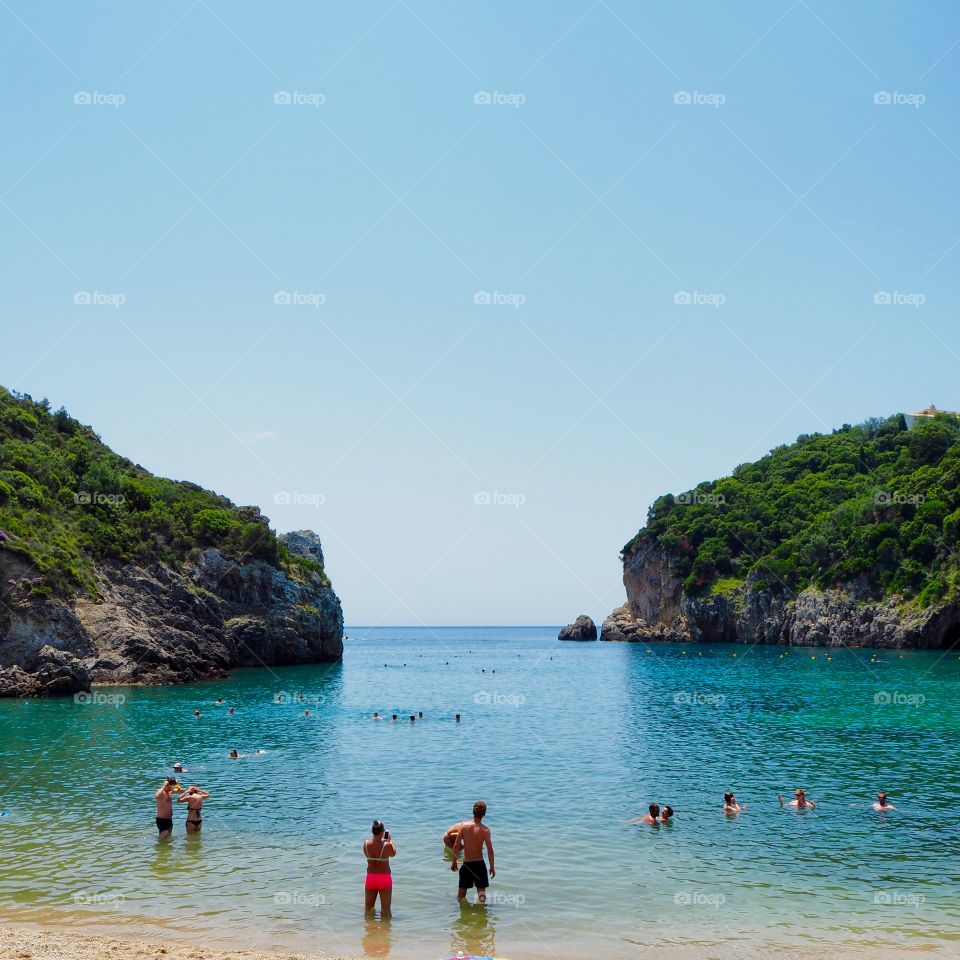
376 716
196 713
730 804
653 817
421 714
881 806
457 718
667 814
178 767
393 719
799 801
230 711
193 797
233 754
219 700
413 719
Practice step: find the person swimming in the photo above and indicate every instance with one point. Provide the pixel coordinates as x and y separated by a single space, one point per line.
457 718
881 805
178 767
667 814
193 797
799 800
378 850
394 718
376 716
233 755
653 817
730 804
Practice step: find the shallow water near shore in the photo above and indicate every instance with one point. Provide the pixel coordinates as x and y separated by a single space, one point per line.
566 742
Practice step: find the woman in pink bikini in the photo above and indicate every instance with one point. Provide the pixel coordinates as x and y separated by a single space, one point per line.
378 850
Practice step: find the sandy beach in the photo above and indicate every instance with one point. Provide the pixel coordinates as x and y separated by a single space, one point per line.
33 943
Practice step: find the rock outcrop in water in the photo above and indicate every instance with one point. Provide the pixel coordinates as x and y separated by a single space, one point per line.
848 539
583 629
156 624
110 574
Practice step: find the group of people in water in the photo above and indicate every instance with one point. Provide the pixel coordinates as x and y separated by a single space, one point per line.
657 816
472 836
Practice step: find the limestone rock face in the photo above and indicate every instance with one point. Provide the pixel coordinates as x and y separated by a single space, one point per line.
158 625
583 629
657 608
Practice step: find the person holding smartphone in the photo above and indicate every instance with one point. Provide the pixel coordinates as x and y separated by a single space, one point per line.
378 850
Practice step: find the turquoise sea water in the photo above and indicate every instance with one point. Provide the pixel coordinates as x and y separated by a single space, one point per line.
566 742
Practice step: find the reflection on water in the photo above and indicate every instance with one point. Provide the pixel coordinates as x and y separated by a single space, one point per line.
566 743
377 935
474 931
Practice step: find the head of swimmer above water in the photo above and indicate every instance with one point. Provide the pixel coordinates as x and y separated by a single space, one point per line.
654 810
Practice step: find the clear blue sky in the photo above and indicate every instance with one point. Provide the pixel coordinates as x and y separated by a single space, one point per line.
582 194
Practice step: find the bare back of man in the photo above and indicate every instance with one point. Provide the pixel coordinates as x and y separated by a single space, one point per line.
473 835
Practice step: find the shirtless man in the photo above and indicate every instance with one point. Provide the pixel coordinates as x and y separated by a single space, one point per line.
881 805
653 817
473 836
164 798
799 801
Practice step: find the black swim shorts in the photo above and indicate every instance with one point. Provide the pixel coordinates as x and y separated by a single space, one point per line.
474 873
164 824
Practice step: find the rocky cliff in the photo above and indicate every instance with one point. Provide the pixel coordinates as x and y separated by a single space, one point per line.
844 539
659 608
160 624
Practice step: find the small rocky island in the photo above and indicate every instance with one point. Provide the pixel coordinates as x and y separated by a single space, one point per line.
582 629
111 575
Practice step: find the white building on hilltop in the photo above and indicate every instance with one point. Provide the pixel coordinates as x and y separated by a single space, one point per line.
928 414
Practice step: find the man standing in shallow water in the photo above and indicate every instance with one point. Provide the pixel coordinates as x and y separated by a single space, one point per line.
473 836
164 798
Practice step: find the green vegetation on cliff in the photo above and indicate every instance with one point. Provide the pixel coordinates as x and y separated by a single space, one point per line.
67 500
875 504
